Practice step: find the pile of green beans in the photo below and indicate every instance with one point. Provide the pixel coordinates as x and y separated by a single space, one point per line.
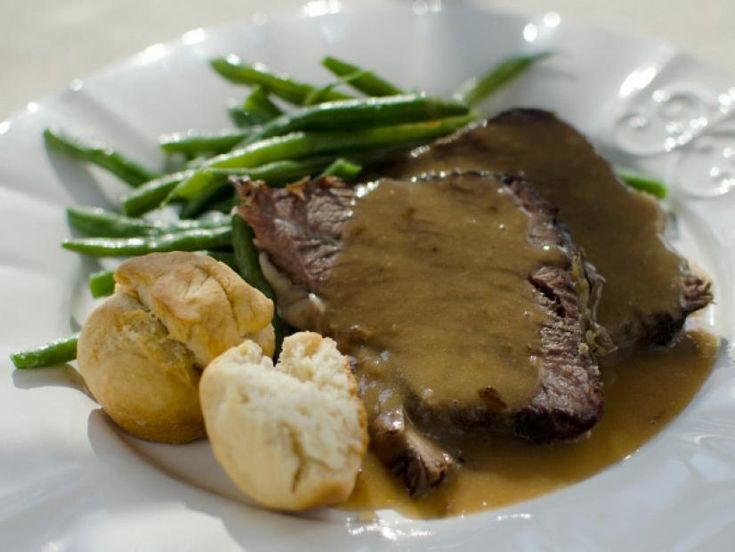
326 132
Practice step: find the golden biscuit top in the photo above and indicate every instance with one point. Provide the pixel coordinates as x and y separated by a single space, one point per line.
203 303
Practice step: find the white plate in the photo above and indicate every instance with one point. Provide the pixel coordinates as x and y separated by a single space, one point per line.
70 481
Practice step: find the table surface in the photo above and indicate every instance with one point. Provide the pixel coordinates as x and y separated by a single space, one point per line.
44 44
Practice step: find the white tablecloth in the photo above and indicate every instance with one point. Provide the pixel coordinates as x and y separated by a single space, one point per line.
46 43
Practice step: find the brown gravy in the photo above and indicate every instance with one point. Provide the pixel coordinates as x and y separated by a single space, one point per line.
643 394
436 319
618 228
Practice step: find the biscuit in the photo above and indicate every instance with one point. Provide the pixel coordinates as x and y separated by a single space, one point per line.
203 303
291 436
145 381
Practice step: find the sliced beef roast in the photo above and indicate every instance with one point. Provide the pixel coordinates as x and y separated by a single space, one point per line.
301 231
649 289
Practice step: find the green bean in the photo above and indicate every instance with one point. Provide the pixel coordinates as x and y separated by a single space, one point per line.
53 353
223 206
214 221
101 283
252 116
246 256
361 113
196 143
644 184
93 221
318 96
100 155
248 266
368 83
96 222
186 240
343 169
255 110
478 89
279 85
301 144
151 194
239 117
216 198
276 173
259 107
203 181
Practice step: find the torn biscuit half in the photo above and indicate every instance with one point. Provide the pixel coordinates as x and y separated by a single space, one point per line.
292 436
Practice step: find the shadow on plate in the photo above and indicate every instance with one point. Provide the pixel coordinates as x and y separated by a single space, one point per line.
79 181
61 376
143 483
